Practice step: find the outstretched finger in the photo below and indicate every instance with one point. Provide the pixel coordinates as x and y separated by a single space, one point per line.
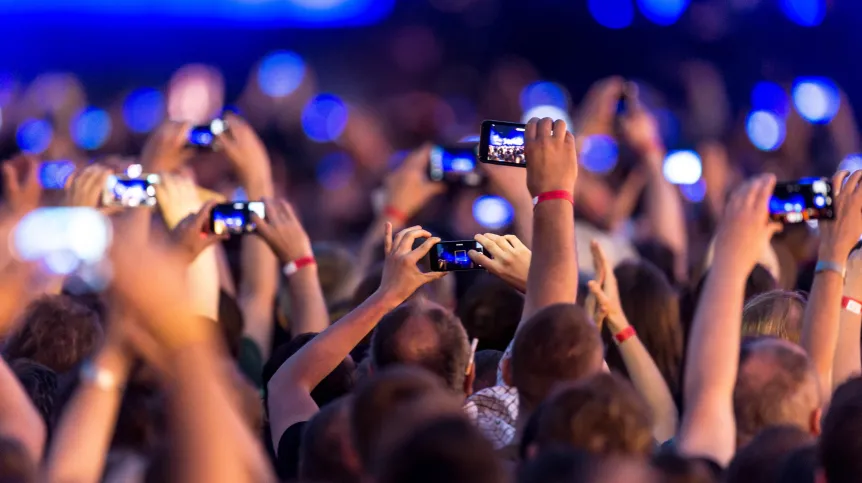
838 182
601 299
400 235
532 129
600 262
387 238
501 242
422 250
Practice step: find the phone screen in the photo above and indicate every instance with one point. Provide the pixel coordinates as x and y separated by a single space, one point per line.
204 136
502 143
235 218
454 164
452 256
803 200
130 192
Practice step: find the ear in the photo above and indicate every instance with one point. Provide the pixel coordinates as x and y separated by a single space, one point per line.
814 424
470 380
506 365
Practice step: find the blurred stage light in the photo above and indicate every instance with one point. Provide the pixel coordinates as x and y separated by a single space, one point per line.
613 14
765 130
769 96
553 112
324 118
851 163
492 212
807 13
694 192
335 171
91 128
599 153
54 174
817 99
280 73
663 12
62 238
682 167
34 136
473 138
544 94
144 109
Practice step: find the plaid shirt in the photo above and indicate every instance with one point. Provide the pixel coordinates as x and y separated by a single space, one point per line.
494 410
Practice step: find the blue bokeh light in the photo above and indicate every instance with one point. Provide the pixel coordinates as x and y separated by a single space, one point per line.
694 192
544 94
765 130
280 73
54 174
34 136
851 163
682 167
473 138
817 99
769 96
663 12
144 109
335 171
91 128
492 212
599 153
324 118
613 14
807 13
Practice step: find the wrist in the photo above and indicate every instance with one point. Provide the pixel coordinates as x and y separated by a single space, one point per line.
388 298
304 264
259 187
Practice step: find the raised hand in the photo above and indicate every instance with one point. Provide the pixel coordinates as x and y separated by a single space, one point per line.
22 195
605 292
167 150
510 259
283 231
640 131
597 111
552 157
178 197
85 187
408 188
246 151
840 235
191 235
401 275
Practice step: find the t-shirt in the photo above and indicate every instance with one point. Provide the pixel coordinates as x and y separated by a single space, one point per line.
287 461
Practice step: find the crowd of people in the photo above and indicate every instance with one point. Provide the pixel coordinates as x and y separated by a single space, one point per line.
507 154
601 357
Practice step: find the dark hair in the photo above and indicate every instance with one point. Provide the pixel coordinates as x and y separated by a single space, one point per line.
558 344
651 305
40 383
325 445
840 444
335 267
659 255
800 466
761 460
558 465
491 311
602 414
57 332
674 468
16 464
777 313
142 418
487 362
426 335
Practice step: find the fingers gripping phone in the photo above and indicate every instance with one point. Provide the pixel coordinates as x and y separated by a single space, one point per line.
204 136
503 143
803 200
235 218
454 164
452 256
130 192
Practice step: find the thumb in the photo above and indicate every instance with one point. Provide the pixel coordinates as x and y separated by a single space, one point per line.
264 229
432 276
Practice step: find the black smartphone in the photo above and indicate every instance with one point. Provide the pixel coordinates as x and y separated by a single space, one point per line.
235 218
452 256
130 192
502 143
454 164
203 136
803 200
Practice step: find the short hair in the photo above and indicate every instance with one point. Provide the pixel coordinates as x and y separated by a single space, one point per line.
761 460
326 444
602 414
486 365
840 444
559 464
776 385
335 270
491 311
660 256
800 466
675 468
16 464
426 335
57 332
558 344
40 384
777 313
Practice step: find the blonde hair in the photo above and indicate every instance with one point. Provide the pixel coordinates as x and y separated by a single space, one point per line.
777 313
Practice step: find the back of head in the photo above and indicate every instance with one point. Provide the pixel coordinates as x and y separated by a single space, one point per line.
674 468
40 383
487 362
558 465
426 335
57 332
335 269
16 465
840 444
800 466
490 311
776 385
558 344
326 452
761 460
777 313
602 415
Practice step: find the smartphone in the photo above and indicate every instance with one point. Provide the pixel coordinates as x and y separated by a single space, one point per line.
54 174
502 143
235 218
452 256
130 192
454 164
203 136
803 200
62 240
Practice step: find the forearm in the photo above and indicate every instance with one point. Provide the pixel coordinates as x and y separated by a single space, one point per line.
820 326
19 419
308 307
626 200
848 357
202 280
666 216
553 274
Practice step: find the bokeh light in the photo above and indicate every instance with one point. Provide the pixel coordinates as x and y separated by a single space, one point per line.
851 163
769 96
552 112
280 73
613 14
682 167
335 171
817 99
473 138
54 174
34 136
663 12
694 192
765 130
544 94
62 238
492 212
807 13
599 153
324 118
144 109
91 128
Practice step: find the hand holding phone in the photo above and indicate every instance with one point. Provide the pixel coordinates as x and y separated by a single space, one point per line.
452 256
204 136
803 200
283 232
503 143
235 218
125 191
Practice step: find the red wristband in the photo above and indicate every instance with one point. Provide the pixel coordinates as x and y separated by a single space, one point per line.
851 305
554 195
298 264
396 214
625 334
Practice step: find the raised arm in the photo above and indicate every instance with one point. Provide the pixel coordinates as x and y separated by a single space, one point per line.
290 388
708 426
848 356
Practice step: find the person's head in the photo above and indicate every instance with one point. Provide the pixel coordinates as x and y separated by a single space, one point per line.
777 313
335 270
776 386
16 465
602 414
487 362
560 464
675 468
57 332
761 460
840 444
326 452
556 345
800 466
425 335
659 255
651 305
490 311
40 383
